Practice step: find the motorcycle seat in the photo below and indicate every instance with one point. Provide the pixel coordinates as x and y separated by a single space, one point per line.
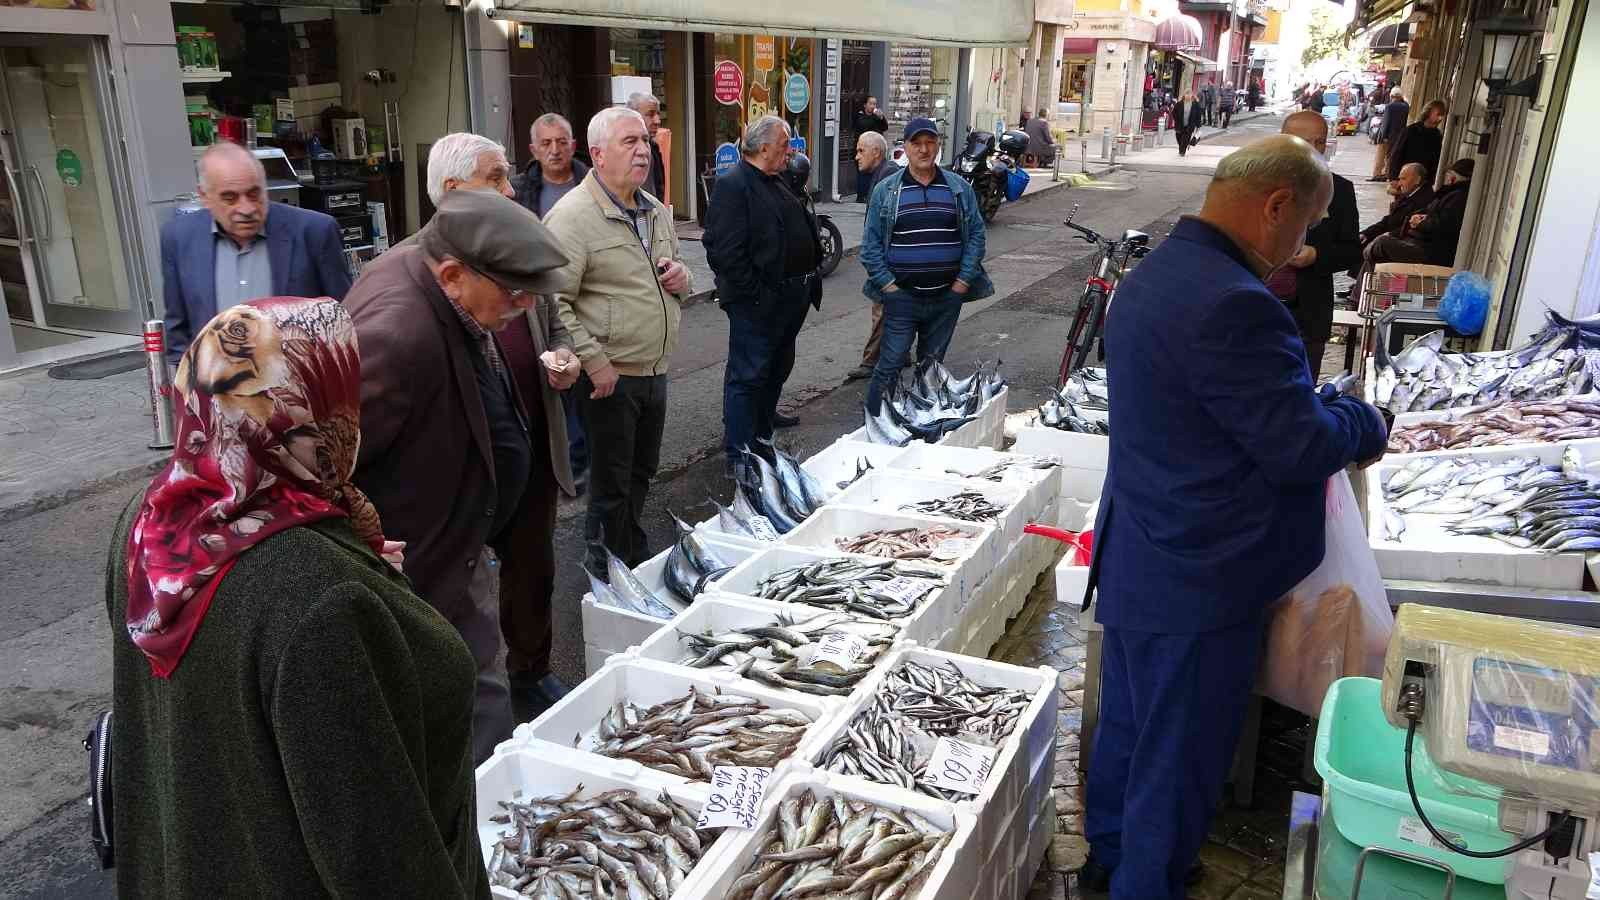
1135 237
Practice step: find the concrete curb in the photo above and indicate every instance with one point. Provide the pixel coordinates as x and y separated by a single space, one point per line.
47 500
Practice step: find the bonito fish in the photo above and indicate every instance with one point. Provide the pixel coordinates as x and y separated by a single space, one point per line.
933 404
1518 501
690 735
1527 422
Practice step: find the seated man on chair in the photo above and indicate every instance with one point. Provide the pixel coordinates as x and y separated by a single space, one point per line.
1429 236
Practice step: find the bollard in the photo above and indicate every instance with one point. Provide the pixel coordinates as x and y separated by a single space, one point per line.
1055 164
1083 144
1105 143
155 364
1161 134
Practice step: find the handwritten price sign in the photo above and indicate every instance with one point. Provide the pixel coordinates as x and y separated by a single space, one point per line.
762 528
736 793
960 766
840 649
905 589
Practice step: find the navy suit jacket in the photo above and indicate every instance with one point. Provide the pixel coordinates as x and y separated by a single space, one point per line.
307 261
1220 444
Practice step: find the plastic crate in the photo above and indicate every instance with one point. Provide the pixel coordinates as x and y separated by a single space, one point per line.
891 491
931 460
839 521
1082 456
837 462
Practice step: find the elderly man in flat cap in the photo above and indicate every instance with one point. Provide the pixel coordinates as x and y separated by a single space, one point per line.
445 447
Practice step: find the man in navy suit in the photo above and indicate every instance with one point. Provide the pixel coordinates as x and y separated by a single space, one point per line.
210 263
1212 507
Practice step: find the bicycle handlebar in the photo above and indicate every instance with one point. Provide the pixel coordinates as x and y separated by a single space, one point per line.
1087 233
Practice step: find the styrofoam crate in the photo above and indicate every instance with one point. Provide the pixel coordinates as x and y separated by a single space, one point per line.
953 877
1082 457
1586 446
595 657
718 613
1072 581
712 529
1039 832
1426 552
573 722
840 521
519 771
837 462
1073 514
891 491
1042 485
993 412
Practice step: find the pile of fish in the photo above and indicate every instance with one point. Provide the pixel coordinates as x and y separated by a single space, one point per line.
782 492
932 405
626 591
877 590
835 847
1520 501
619 844
1528 422
997 472
1086 389
690 735
891 740
782 653
903 543
691 565
1421 377
966 505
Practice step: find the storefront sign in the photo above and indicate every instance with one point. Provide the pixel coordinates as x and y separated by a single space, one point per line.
524 36
766 54
726 157
69 167
797 93
727 83
832 58
833 76
832 93
831 112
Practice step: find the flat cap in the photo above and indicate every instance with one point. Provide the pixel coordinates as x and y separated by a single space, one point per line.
498 237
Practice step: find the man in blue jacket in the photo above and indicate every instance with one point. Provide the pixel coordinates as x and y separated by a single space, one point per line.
923 251
1212 508
210 263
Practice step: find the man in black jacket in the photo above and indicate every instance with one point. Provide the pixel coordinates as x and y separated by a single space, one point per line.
1411 193
1395 113
1186 116
553 171
872 159
1332 245
646 105
1429 236
869 119
1420 142
762 245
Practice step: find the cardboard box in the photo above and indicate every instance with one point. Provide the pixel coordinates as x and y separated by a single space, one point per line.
350 138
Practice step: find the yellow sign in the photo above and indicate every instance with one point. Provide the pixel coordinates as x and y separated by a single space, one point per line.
766 53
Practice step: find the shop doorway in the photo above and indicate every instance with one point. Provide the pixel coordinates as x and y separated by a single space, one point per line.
855 83
64 269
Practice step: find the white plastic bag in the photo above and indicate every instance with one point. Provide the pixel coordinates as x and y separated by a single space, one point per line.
1336 622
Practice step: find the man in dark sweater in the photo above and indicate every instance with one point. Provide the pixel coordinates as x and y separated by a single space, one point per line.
869 120
1430 236
1420 142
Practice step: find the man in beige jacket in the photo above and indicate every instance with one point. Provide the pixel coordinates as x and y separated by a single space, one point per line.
622 314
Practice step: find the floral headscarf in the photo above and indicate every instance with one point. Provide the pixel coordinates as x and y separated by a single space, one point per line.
268 429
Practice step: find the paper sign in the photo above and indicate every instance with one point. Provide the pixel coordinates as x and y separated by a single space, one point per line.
1530 743
841 649
830 128
832 57
765 53
831 112
736 793
796 93
960 766
952 548
763 529
904 589
727 83
832 80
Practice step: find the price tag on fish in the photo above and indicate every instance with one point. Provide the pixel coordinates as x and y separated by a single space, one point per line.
903 589
960 766
952 548
762 529
840 649
736 793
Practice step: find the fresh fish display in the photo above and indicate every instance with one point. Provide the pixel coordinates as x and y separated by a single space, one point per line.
782 653
891 740
1519 501
997 472
691 565
783 493
903 543
690 735
968 506
877 590
933 403
841 849
1086 389
863 466
626 591
618 845
1527 422
1557 362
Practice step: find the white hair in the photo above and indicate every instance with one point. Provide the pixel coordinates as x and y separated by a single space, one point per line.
600 125
761 132
640 98
227 148
874 140
1279 161
549 120
456 156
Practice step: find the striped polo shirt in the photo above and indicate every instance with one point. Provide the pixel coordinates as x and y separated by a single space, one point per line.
925 247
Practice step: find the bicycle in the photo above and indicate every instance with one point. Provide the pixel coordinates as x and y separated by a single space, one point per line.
1089 319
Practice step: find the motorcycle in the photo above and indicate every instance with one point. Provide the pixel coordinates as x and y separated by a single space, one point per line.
798 175
990 165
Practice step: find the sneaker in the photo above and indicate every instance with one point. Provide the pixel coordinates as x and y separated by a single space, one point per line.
858 373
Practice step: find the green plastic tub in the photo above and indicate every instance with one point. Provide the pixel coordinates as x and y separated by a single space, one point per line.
1361 759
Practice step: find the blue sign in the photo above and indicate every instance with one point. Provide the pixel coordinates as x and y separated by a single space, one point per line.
727 156
797 144
797 93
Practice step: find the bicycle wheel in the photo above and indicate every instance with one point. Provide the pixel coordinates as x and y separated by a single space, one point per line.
1096 321
1080 335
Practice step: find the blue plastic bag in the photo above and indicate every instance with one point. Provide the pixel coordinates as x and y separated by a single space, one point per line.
1466 302
1016 183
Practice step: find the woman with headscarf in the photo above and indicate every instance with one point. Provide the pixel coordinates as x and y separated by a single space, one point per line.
290 719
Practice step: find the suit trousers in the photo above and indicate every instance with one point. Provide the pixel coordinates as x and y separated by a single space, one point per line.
760 357
528 569
869 354
624 433
1171 709
478 623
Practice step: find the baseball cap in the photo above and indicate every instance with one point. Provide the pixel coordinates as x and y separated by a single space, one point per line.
497 237
921 125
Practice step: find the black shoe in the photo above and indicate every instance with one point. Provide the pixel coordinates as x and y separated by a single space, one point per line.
1096 878
779 420
858 373
553 688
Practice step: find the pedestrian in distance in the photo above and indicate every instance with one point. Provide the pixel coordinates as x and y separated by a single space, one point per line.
872 155
1333 244
446 454
1183 574
528 567
1186 116
649 108
1208 104
625 285
923 252
1226 103
1420 142
762 246
1395 113
1253 92
868 119
247 247
279 690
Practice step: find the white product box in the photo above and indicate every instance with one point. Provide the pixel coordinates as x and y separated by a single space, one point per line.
350 138
891 491
836 521
1082 457
837 462
380 225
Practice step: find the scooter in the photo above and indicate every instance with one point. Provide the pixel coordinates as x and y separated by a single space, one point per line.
798 175
990 165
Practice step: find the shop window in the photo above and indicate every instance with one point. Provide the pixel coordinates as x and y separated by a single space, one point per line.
774 77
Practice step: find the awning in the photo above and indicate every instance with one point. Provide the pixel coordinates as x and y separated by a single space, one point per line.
1079 46
1179 32
1004 23
1370 12
1390 38
1200 63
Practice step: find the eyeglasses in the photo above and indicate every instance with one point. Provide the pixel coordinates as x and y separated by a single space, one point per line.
512 294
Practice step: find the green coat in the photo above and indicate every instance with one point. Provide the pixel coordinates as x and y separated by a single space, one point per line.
313 742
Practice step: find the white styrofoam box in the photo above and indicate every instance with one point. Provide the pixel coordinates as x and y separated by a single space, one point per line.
1586 446
594 657
837 462
1073 514
894 490
1042 485
1039 832
1426 552
712 528
518 771
993 412
573 722
1082 457
1071 580
611 629
840 521
953 876
720 613
932 617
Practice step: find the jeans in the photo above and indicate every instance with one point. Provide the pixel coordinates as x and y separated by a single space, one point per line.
760 357
625 436
931 323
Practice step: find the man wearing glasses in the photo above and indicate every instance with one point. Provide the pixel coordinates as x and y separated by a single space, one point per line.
446 450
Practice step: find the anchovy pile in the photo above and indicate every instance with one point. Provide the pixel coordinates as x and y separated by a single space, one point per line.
691 565
1531 422
626 591
878 590
1519 501
891 741
997 472
1086 389
781 491
1421 377
782 653
618 845
690 735
934 404
902 543
968 506
835 847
